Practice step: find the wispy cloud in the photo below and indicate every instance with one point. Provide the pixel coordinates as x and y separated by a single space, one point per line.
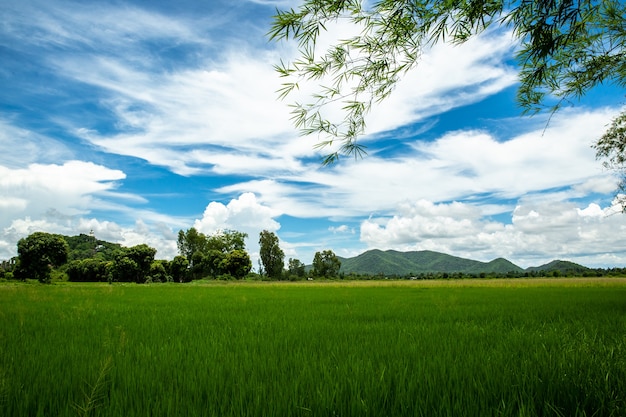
21 147
457 166
68 26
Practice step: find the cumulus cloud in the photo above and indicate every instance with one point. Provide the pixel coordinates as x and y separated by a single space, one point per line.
537 233
157 235
55 198
244 214
72 187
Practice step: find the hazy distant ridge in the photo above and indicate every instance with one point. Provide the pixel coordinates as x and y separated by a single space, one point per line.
391 262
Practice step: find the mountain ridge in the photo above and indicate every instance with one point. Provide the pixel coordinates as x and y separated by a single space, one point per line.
393 262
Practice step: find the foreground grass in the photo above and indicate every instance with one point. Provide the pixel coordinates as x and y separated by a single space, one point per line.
473 348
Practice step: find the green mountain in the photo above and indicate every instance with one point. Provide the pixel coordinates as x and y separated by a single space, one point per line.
394 263
564 267
390 262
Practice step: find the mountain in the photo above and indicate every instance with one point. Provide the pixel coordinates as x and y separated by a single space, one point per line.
564 267
390 262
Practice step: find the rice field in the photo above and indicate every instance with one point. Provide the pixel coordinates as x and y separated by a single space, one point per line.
437 348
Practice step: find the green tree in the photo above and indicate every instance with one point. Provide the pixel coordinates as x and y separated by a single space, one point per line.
179 269
197 265
39 253
207 254
237 263
143 256
81 247
190 242
133 264
566 48
158 271
213 263
296 268
227 241
612 148
125 269
326 264
87 270
272 256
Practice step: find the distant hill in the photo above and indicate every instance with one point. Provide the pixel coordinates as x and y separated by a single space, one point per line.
87 246
564 267
391 262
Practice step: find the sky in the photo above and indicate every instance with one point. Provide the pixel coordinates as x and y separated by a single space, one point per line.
137 119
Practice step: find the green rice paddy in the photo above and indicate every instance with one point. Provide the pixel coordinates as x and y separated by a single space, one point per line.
468 348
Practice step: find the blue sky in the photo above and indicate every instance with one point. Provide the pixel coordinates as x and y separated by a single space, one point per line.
136 119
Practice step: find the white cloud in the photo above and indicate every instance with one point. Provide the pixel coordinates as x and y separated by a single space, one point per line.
344 228
533 165
68 25
54 198
446 77
71 187
222 114
21 147
538 233
244 214
157 235
225 116
276 3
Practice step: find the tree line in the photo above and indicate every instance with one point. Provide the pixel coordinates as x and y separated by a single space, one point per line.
222 255
83 258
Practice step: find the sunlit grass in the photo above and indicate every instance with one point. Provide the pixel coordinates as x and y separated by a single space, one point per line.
431 348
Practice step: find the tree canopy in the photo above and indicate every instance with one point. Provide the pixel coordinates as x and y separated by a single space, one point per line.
221 253
566 48
326 264
272 256
612 147
39 253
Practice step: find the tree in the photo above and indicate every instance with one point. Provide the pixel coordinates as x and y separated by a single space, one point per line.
272 256
326 264
158 272
87 270
296 268
237 263
125 269
612 147
207 255
39 253
227 241
179 269
191 242
143 256
567 48
133 264
213 263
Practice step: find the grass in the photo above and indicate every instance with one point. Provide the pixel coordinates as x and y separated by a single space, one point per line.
444 348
